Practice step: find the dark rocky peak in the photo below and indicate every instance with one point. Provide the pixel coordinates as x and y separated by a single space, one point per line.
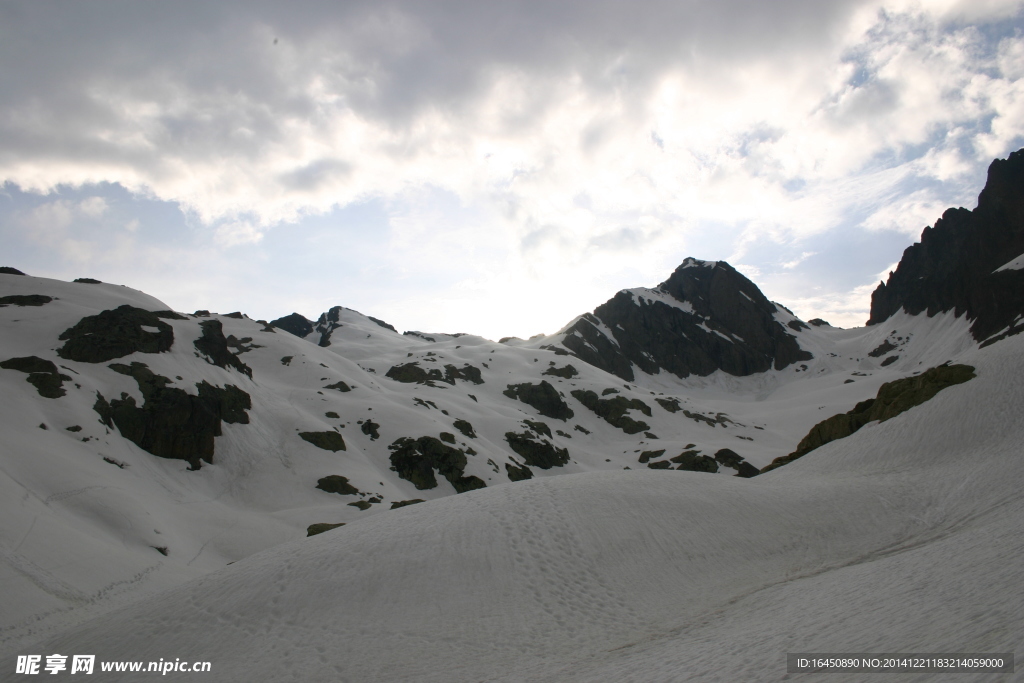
324 325
957 265
295 324
381 323
331 320
434 337
327 323
705 317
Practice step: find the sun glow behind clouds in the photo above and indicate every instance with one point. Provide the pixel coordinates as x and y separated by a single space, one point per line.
529 161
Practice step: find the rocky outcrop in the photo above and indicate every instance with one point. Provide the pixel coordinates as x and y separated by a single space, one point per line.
536 451
544 397
381 323
957 264
466 428
328 323
329 441
335 483
314 529
214 346
370 428
415 460
413 373
295 324
42 374
705 317
613 410
517 472
115 334
172 423
892 399
730 458
568 372
25 300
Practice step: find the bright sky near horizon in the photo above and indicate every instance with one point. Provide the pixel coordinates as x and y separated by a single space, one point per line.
493 167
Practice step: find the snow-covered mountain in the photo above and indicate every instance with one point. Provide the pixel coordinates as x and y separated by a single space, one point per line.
705 317
145 449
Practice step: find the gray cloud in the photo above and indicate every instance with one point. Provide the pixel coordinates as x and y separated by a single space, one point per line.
315 174
213 68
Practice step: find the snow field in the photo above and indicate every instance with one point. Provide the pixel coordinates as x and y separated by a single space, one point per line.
902 537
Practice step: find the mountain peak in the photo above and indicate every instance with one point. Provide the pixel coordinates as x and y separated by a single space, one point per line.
705 317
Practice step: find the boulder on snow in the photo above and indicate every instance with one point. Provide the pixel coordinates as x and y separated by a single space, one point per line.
544 397
415 460
42 374
613 410
25 300
329 441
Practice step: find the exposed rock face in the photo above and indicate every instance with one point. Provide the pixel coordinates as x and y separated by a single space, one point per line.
295 324
329 441
568 372
328 323
647 455
465 427
705 317
114 334
172 423
537 452
955 265
544 397
25 300
42 374
416 459
335 483
382 323
669 404
693 461
215 347
402 503
518 472
370 429
893 398
613 410
731 458
412 373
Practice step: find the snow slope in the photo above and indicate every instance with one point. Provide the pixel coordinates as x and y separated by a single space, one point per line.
902 537
87 514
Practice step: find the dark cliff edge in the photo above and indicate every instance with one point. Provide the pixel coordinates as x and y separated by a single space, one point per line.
955 265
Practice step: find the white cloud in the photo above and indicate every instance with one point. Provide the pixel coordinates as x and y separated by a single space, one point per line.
93 207
789 265
235 233
565 144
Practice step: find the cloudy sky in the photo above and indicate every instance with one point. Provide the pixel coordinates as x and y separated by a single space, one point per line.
493 167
